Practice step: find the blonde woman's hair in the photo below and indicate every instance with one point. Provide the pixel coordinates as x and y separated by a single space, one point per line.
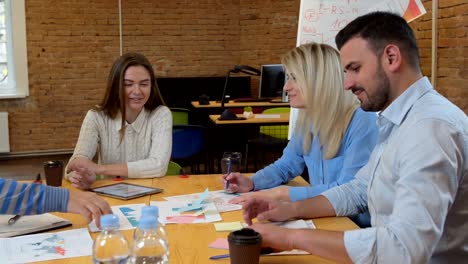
329 108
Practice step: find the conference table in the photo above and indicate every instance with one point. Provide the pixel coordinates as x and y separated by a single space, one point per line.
189 242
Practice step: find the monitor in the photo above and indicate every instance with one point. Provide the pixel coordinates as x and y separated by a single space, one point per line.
271 81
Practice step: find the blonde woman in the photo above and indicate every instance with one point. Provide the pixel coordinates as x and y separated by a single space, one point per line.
333 136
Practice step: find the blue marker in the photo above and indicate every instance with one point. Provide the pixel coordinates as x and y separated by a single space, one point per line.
228 163
219 256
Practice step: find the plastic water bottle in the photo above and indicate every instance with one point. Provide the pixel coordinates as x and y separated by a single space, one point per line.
149 246
152 211
110 247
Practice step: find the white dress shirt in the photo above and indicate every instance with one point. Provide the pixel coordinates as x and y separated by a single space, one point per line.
146 147
415 184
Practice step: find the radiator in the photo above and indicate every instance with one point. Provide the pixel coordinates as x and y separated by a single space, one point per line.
4 137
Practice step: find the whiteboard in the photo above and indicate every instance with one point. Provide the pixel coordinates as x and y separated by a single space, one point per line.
320 21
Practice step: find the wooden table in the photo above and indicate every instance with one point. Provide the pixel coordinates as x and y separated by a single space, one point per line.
282 120
232 104
189 242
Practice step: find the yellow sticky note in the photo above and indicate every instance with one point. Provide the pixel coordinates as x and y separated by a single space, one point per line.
228 226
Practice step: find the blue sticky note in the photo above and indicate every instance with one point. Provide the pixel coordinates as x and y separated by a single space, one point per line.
193 207
201 198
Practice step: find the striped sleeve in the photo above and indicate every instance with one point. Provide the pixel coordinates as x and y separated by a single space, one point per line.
30 198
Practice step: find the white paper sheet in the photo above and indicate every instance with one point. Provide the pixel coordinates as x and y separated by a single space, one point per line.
47 246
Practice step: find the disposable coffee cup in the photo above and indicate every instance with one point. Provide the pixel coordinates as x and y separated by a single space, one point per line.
244 246
53 171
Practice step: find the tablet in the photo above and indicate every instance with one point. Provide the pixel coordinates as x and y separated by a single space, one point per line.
125 191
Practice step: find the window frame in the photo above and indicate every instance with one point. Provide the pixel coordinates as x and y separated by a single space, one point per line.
16 48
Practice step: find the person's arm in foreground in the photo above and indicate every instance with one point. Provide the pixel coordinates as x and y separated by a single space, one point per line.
31 198
328 244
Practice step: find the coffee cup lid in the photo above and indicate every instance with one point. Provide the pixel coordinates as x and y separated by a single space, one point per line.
245 236
53 163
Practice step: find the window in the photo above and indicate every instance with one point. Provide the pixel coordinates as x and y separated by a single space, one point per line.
13 57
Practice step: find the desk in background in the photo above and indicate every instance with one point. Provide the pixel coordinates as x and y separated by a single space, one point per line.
232 104
189 242
263 121
233 135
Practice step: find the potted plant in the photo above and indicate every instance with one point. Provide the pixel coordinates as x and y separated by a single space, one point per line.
248 112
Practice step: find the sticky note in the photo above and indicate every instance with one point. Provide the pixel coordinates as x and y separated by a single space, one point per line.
183 219
228 226
201 198
221 243
193 207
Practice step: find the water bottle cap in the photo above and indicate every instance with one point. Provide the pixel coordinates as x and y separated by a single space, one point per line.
150 210
109 220
148 222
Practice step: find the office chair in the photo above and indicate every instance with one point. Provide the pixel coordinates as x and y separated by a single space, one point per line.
188 146
173 169
180 116
270 142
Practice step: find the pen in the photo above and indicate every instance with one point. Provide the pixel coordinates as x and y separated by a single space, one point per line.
227 255
219 256
228 163
13 219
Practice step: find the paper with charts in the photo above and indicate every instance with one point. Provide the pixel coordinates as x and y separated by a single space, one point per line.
219 198
128 215
47 246
196 209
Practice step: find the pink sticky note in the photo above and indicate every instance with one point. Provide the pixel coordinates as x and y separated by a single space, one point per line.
183 219
220 243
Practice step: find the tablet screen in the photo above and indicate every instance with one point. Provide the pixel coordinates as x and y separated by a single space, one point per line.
125 190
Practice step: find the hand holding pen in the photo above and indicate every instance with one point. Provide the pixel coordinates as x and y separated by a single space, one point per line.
226 165
238 183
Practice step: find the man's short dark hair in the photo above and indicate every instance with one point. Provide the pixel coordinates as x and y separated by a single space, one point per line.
380 29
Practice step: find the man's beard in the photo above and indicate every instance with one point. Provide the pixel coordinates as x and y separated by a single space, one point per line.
380 97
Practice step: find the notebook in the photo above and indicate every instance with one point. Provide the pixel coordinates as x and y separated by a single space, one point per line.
30 224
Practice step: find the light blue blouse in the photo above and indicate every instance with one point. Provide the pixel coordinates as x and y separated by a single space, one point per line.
356 146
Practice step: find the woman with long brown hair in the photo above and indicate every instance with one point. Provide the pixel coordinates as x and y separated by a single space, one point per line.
130 131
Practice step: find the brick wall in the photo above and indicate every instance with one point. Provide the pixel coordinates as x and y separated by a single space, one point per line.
72 44
452 77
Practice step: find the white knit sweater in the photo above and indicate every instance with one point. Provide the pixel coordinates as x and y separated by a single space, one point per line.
146 147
